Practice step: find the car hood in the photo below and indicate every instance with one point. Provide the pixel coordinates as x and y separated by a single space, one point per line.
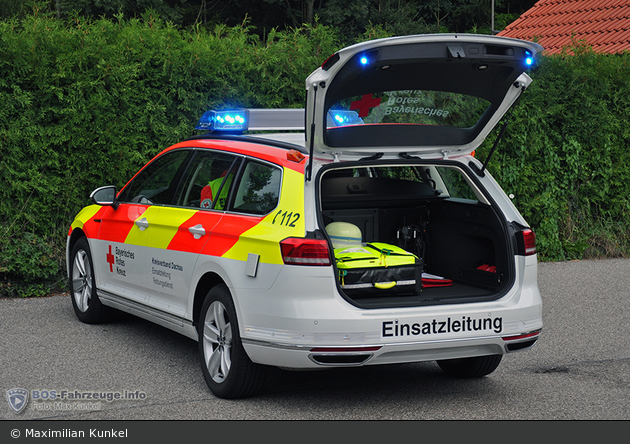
437 93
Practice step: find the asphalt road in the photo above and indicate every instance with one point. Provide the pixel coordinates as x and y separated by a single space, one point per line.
579 370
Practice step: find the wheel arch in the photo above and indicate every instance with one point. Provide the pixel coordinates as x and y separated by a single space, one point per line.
207 281
76 234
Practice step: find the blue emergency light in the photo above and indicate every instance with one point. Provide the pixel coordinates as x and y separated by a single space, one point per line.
529 59
233 120
341 117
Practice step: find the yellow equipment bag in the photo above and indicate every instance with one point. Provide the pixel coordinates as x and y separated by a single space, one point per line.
378 268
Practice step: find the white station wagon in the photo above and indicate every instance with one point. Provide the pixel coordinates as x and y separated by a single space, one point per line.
360 230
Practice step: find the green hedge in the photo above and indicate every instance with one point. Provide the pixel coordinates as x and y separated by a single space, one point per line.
565 155
86 103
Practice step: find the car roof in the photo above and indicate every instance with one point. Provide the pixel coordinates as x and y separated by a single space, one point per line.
264 148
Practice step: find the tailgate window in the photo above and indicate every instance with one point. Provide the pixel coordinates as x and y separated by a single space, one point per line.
420 107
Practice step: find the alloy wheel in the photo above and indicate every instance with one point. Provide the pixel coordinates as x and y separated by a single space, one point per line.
217 341
82 280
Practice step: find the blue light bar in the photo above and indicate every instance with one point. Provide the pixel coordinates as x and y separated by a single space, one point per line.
364 60
233 120
341 117
253 119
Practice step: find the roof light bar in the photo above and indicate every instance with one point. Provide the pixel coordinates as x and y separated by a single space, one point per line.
233 120
252 119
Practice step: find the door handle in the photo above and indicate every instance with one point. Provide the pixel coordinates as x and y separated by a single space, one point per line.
142 223
197 231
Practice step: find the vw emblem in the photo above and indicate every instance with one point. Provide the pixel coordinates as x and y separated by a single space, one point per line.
18 398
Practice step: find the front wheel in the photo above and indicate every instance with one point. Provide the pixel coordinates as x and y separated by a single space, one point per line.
85 302
227 369
475 367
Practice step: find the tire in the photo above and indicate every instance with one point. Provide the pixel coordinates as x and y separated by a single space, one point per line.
476 367
87 307
227 369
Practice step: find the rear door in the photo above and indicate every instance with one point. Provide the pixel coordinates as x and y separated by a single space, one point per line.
181 230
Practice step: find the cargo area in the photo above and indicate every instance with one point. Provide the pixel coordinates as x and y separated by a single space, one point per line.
434 212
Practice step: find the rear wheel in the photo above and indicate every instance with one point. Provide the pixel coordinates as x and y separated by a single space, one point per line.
227 369
87 307
475 367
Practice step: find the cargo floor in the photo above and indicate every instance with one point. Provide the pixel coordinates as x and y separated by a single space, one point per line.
455 293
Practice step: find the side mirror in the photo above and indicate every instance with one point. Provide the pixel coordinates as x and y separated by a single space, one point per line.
105 196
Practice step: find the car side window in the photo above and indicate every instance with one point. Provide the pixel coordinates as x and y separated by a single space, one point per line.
258 191
208 180
456 184
157 183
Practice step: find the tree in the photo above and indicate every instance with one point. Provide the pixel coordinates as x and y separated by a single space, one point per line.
352 19
171 10
10 8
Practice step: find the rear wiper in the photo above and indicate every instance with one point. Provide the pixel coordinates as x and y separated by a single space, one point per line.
407 156
373 157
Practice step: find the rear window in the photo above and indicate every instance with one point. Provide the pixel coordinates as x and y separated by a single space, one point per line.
455 184
416 107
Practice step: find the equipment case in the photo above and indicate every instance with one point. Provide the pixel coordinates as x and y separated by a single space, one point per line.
376 269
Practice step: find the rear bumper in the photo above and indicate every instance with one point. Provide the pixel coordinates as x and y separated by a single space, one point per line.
303 322
317 357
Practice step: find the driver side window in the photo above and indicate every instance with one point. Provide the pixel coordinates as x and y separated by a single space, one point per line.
156 184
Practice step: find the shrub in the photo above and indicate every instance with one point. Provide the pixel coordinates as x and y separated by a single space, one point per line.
29 266
565 155
85 103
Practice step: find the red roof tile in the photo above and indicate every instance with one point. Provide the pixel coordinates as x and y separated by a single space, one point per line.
603 24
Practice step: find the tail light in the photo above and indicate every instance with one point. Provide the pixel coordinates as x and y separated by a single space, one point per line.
300 251
526 240
531 334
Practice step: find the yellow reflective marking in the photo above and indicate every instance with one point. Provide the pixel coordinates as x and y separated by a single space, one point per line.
264 238
136 236
84 215
170 220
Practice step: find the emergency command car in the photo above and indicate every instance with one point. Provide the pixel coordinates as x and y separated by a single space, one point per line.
359 230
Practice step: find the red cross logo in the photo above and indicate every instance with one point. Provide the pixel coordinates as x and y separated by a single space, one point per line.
364 105
110 259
